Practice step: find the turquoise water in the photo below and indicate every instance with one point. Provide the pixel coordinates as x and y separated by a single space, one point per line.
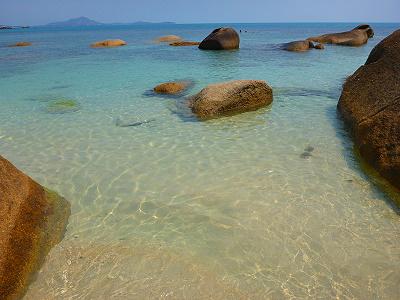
181 209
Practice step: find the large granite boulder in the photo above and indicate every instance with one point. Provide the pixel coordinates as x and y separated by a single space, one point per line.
221 39
298 46
230 98
108 44
171 88
355 37
32 221
370 105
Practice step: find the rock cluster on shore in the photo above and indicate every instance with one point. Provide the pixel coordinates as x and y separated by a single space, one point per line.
230 98
370 105
32 221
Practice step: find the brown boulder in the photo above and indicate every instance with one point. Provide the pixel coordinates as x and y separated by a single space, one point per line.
230 98
221 39
184 43
169 39
298 46
108 44
32 220
21 44
355 37
370 105
171 88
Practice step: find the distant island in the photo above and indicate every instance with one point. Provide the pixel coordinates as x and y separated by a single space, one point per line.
84 21
2 27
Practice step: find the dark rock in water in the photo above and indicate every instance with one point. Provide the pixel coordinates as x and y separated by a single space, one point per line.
370 106
32 221
121 123
221 39
298 46
319 46
355 37
62 106
304 92
309 149
230 98
21 44
59 87
305 155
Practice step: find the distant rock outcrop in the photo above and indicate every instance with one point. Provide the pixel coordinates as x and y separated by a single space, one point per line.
108 44
184 43
32 221
355 37
370 105
230 98
168 39
221 39
81 21
21 44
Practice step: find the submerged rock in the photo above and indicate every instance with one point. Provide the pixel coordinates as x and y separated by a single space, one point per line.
169 39
221 39
184 43
370 105
355 37
319 46
171 88
121 123
108 44
62 106
32 221
298 46
231 98
21 44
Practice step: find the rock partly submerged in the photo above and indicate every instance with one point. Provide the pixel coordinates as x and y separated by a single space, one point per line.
184 44
62 106
108 44
32 220
298 46
168 39
370 105
355 37
21 44
230 98
171 88
221 39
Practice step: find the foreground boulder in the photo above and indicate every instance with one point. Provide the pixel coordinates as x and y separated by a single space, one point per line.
230 98
221 39
171 88
184 43
32 221
355 37
370 105
108 44
298 46
21 44
169 39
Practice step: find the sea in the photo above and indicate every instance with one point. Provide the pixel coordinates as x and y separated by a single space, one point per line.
269 204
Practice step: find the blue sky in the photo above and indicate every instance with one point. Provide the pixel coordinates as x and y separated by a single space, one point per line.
35 12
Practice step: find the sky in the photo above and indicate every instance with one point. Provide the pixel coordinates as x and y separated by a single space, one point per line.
38 12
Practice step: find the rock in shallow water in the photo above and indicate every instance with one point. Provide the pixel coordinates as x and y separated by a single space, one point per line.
108 44
355 37
370 105
298 46
171 88
62 106
221 39
32 221
21 44
231 97
169 39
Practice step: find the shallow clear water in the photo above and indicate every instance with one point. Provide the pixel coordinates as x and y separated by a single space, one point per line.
176 208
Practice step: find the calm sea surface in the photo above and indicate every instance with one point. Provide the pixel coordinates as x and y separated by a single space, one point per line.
233 208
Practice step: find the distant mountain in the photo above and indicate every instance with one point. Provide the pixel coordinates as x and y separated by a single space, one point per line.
81 21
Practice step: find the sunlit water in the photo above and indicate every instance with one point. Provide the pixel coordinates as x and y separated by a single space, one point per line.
233 208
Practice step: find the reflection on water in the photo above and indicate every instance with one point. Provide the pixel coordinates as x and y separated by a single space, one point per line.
267 204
